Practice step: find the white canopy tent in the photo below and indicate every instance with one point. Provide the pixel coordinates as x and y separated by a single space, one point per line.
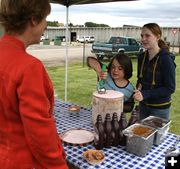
68 3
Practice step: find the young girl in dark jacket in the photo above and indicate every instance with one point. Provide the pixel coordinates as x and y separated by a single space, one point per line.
156 74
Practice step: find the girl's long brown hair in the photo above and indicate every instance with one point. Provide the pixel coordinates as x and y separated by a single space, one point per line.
156 30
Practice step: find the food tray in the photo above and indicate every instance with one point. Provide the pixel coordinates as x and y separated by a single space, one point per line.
162 126
139 144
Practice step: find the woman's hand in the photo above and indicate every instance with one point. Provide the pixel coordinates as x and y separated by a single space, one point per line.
138 95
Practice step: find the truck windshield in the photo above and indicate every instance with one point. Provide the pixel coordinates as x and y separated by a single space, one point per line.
132 42
118 40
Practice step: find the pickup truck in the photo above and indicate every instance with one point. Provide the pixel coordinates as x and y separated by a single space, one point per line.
116 45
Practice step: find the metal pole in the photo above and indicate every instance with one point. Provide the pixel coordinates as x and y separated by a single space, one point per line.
66 56
179 39
84 52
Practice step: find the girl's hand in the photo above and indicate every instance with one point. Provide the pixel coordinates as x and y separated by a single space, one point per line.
138 96
139 87
103 75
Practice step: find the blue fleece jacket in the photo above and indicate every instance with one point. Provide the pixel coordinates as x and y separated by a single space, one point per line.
157 78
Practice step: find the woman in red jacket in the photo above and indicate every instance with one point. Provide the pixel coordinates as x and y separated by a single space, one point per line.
28 136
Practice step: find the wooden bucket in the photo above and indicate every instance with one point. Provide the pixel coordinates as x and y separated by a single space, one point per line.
110 102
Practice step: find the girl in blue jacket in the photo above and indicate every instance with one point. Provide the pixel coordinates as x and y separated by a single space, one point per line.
119 71
156 74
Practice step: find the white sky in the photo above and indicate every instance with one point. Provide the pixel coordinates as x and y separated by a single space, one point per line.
117 14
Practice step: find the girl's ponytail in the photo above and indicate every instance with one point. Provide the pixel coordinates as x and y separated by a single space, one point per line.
163 44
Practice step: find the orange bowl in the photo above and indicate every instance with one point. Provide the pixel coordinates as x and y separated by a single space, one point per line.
74 108
94 157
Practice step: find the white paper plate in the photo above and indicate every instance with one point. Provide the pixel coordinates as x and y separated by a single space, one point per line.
77 137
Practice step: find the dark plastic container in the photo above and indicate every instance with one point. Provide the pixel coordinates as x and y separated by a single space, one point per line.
108 131
99 129
115 130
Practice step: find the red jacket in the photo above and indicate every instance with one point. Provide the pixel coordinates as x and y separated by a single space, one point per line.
28 136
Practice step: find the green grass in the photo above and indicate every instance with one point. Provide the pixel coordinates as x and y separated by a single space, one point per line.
82 83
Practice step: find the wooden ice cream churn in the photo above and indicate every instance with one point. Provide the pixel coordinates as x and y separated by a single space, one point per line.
109 102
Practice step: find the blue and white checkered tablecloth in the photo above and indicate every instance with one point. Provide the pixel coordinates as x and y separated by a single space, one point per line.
115 157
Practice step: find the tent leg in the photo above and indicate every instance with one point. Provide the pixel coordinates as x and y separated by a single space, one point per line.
66 56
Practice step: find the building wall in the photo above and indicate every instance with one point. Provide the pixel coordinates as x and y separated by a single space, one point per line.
104 34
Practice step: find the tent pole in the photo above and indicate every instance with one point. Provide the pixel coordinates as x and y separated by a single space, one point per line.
66 56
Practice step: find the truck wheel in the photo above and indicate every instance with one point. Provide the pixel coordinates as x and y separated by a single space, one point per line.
121 51
100 57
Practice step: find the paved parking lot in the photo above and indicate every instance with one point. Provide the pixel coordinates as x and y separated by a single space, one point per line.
52 55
